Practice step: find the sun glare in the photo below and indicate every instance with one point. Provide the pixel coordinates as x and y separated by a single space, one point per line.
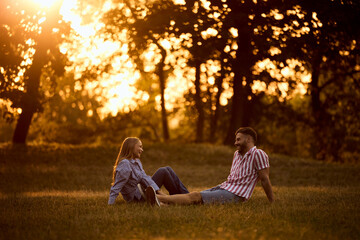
119 93
45 3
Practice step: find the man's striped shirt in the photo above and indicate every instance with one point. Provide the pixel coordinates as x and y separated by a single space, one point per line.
243 174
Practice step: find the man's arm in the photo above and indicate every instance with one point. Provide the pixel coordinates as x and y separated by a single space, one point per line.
266 184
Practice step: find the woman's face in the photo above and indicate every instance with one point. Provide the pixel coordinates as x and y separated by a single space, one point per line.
138 149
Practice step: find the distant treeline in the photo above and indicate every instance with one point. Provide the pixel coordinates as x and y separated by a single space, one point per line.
220 47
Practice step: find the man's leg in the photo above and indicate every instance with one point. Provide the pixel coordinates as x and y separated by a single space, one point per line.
182 199
216 195
166 177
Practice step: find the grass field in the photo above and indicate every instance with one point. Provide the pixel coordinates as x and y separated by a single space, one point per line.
61 192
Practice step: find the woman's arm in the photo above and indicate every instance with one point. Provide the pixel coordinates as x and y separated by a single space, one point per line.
121 178
146 179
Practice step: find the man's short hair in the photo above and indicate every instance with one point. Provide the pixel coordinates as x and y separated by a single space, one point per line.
248 131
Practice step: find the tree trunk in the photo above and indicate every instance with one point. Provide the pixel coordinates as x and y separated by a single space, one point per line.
240 116
199 104
30 101
215 117
164 121
321 120
22 126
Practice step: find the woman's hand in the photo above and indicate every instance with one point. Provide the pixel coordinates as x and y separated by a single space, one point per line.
160 192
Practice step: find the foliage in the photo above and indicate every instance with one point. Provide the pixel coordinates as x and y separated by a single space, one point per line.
70 116
144 34
289 68
23 28
29 43
324 37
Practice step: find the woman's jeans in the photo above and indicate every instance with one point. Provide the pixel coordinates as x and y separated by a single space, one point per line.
166 177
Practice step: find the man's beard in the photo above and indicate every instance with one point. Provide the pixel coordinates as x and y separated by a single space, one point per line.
241 148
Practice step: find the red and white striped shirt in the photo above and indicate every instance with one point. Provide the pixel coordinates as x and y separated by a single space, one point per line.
243 174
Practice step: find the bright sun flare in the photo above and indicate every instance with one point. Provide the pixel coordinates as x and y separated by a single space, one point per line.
45 3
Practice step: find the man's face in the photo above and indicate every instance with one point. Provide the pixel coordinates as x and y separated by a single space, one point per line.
241 142
138 149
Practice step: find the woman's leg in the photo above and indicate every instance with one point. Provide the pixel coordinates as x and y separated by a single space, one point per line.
166 177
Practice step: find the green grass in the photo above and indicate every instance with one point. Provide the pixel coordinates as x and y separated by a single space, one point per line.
61 192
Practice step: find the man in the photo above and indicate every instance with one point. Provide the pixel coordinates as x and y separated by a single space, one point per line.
248 167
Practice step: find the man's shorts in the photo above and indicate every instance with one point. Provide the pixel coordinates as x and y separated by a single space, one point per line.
219 195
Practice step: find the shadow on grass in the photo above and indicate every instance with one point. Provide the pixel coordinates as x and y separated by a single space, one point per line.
55 167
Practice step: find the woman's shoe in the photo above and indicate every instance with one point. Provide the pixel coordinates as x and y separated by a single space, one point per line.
151 196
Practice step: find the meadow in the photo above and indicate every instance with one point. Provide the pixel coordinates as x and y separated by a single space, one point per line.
51 191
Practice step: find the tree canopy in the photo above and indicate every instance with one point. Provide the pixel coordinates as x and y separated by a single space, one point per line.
289 68
29 50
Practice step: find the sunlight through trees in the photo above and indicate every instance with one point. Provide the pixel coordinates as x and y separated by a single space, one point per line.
184 71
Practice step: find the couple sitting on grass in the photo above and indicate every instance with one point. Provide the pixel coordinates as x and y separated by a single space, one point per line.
249 165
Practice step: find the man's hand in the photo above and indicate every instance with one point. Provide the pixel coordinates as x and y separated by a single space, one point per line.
266 184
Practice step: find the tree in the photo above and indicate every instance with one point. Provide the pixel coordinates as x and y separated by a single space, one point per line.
29 42
333 54
186 23
193 20
324 37
143 32
242 57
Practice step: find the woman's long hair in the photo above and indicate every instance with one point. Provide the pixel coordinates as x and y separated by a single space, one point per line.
126 152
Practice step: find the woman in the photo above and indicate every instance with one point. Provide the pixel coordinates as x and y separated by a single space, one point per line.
129 177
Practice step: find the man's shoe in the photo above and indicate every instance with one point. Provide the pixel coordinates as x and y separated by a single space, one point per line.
151 196
141 190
